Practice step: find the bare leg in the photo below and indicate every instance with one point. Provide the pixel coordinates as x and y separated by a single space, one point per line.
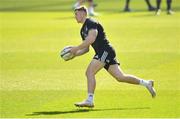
92 69
118 74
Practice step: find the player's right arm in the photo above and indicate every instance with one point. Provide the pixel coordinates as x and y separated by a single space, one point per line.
92 34
82 51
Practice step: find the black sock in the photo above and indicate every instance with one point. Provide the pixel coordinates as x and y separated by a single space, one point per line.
148 3
169 4
158 2
127 4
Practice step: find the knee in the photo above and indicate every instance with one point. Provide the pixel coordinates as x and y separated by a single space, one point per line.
89 73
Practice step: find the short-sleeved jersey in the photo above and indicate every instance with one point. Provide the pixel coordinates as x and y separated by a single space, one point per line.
101 41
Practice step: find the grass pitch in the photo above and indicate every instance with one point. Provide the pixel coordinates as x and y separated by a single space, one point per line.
36 82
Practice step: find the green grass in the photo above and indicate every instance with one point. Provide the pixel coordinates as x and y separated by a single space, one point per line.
36 82
120 103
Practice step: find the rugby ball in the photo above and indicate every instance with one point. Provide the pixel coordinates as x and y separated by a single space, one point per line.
66 54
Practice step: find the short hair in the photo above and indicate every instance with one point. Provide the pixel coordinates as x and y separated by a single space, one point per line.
81 8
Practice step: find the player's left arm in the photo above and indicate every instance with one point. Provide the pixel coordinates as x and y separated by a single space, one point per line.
92 34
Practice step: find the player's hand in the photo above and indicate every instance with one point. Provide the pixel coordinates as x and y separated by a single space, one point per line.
74 50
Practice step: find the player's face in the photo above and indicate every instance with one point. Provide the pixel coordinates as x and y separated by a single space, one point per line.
79 15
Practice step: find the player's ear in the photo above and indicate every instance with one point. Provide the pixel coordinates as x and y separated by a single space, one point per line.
85 13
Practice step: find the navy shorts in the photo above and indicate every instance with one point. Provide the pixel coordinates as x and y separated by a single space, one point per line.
107 56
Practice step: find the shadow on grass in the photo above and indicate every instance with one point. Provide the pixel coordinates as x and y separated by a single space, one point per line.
82 111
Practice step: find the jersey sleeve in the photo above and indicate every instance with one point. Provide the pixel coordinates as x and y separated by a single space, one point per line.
91 25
